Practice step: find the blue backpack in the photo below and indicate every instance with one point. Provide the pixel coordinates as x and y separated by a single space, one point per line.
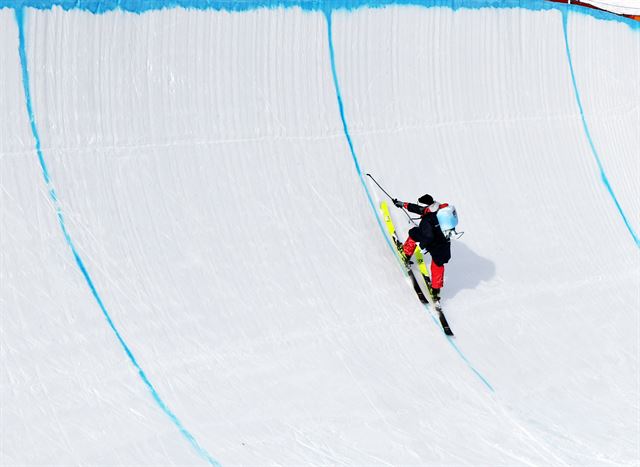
448 220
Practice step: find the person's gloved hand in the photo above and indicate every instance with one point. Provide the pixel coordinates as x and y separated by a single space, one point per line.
398 204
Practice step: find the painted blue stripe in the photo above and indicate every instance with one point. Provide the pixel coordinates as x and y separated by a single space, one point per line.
345 128
19 14
587 132
466 360
139 6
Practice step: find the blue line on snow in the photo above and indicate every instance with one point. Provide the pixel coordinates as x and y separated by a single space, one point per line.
139 6
345 128
19 14
594 151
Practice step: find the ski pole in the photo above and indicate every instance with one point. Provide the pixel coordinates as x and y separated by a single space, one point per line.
391 198
383 190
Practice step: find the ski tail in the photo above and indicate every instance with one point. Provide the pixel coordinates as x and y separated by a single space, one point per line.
436 303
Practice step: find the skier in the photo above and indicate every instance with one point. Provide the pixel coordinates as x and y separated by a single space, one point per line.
430 237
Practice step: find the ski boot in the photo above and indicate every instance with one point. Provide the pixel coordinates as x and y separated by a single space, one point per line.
435 294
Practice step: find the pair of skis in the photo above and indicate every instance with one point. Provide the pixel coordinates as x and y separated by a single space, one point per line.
424 272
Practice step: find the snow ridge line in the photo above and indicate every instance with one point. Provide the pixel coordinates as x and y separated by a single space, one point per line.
587 132
19 16
345 128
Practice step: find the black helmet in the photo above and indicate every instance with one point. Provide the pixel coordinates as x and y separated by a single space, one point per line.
426 199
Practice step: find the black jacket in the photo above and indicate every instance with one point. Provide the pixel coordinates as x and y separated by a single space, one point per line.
429 235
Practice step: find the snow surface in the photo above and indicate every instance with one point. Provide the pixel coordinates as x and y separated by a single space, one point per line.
195 274
629 7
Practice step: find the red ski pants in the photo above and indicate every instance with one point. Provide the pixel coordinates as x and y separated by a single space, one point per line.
437 275
437 272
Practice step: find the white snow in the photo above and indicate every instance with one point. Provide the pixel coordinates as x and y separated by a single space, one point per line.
628 7
205 179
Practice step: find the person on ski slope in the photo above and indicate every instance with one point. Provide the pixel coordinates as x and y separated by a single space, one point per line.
430 237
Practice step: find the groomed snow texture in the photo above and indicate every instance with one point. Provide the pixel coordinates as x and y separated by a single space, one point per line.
193 269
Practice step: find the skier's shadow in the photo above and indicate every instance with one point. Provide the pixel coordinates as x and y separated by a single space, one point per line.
466 270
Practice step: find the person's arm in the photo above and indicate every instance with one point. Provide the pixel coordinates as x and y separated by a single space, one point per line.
414 208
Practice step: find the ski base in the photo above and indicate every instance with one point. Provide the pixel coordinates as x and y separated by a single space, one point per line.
438 307
443 321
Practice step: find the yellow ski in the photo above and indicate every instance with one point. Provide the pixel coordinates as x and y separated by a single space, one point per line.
386 216
418 255
420 260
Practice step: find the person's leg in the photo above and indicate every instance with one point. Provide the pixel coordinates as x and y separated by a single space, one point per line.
437 278
440 255
409 247
410 244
